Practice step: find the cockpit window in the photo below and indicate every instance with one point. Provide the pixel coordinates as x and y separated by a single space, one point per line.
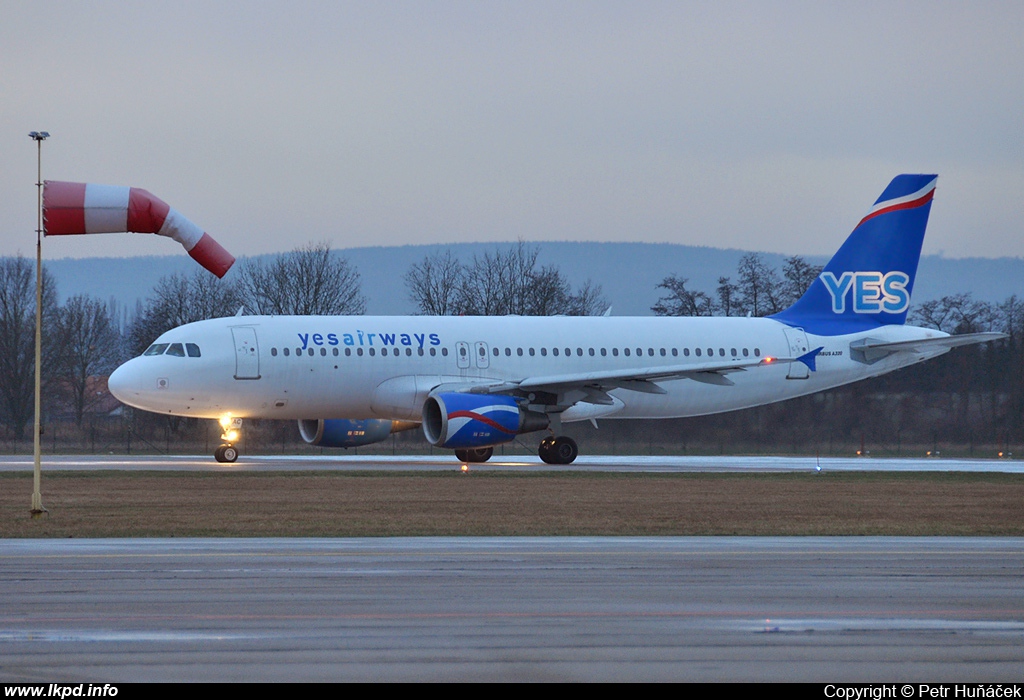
193 350
156 349
176 350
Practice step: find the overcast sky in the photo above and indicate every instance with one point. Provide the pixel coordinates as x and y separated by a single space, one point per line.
769 126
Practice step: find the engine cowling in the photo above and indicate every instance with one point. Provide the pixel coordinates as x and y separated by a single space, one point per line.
337 432
462 421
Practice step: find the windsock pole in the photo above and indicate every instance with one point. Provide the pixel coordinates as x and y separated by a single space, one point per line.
37 496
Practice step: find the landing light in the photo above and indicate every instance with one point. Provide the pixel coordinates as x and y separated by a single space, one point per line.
231 436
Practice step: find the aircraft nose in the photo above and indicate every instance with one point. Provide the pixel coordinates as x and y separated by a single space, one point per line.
123 382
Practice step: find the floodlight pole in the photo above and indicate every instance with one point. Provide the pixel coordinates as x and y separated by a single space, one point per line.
37 496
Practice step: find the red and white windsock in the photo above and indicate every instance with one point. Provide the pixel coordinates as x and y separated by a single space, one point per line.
78 207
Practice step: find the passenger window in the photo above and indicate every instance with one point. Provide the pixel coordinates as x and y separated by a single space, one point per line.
531 352
444 352
604 352
519 351
433 352
721 352
348 352
298 352
193 350
311 352
373 352
579 352
495 353
757 352
697 351
359 351
650 352
591 351
733 352
176 350
615 352
273 352
554 351
675 352
334 351
323 352
157 349
746 352
287 352
625 352
686 352
408 352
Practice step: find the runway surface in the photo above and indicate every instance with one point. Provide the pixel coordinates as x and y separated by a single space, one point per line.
596 463
521 609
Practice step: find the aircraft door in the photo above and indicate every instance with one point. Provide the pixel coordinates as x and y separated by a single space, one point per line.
480 351
247 352
462 354
798 345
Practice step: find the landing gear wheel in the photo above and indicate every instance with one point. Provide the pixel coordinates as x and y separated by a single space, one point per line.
225 453
480 454
558 450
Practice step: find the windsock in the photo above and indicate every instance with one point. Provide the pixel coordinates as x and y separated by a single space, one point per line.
78 207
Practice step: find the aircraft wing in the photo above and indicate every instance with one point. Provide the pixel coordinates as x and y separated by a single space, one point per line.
870 351
593 387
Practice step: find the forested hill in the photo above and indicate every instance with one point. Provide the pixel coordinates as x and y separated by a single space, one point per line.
627 272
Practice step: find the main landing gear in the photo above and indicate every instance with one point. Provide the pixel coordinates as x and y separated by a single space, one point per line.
558 450
227 452
480 454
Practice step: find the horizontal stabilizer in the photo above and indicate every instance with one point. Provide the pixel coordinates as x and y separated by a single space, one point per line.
870 351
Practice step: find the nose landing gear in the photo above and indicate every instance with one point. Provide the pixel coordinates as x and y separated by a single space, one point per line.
227 452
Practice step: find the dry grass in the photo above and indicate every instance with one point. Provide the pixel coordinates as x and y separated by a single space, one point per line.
346 504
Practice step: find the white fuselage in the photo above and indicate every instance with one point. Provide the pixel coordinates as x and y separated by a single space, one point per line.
299 367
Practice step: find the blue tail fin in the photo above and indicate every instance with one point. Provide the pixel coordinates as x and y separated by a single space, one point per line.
868 283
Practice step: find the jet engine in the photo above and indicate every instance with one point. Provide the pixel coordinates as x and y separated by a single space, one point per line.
462 421
338 432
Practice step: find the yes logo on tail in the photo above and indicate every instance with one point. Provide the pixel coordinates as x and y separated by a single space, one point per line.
868 283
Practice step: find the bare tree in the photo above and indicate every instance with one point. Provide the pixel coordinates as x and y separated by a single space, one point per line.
17 339
498 283
955 313
727 296
681 301
309 281
587 301
759 286
177 300
89 345
435 284
799 275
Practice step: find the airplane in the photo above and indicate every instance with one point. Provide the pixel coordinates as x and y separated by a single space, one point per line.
474 382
